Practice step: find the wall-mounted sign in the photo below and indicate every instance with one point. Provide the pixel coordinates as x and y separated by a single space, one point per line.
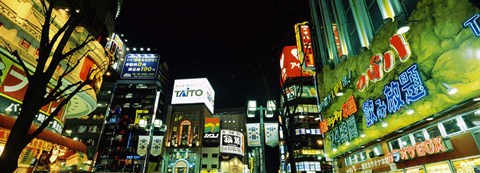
231 142
211 132
346 131
427 147
348 109
156 148
370 164
140 66
407 89
188 91
304 131
290 64
383 64
142 145
253 133
472 22
293 92
327 100
13 85
305 45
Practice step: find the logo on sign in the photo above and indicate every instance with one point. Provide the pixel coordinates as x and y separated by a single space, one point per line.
189 93
210 136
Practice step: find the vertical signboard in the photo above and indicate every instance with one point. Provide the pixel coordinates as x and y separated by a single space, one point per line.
253 133
188 91
271 134
156 148
211 132
142 145
140 66
231 142
305 45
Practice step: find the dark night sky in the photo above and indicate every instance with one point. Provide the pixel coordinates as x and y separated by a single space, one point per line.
232 43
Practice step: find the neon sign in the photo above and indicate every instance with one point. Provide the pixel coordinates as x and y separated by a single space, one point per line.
379 65
407 89
346 80
348 109
473 24
429 146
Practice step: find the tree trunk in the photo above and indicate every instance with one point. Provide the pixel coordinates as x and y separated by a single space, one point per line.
19 137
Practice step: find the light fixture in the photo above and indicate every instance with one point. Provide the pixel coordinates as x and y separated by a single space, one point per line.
403 26
157 123
142 123
476 99
384 124
339 94
141 49
67 9
148 49
128 49
477 112
347 143
134 49
429 119
363 146
317 119
334 149
378 140
409 111
362 135
77 10
450 90
252 107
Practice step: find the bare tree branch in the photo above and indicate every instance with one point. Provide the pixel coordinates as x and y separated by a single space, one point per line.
22 64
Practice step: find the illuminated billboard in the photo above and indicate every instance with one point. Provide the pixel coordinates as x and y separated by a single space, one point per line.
198 90
211 132
253 133
231 142
305 45
290 64
140 66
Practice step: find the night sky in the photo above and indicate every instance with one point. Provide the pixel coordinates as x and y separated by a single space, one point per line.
235 44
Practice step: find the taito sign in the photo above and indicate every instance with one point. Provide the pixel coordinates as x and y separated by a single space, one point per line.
381 64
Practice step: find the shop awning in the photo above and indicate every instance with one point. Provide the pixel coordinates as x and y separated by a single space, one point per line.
7 122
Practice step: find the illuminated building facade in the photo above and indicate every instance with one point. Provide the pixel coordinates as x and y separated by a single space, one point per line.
397 90
125 143
300 107
192 105
19 23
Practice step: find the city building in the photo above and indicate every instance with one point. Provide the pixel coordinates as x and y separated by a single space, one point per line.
192 104
300 133
133 132
232 149
19 30
399 86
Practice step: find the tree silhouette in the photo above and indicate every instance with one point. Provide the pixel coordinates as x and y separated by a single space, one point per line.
56 51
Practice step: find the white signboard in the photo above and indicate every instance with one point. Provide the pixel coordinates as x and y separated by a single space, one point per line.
142 145
271 134
156 148
231 142
188 91
253 133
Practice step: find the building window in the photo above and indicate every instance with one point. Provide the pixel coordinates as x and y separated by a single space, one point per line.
472 119
433 132
405 141
419 136
409 5
394 145
204 155
375 14
214 166
204 166
451 126
214 155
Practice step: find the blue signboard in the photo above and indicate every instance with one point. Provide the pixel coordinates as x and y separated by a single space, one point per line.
140 66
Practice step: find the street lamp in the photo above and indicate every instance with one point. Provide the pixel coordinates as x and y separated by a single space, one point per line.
270 111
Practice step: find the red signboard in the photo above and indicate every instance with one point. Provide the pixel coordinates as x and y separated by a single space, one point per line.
290 64
307 46
25 43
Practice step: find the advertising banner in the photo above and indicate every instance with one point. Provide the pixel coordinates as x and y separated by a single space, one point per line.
140 66
253 133
305 45
198 90
13 85
271 134
231 142
211 132
142 145
293 92
156 148
290 64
